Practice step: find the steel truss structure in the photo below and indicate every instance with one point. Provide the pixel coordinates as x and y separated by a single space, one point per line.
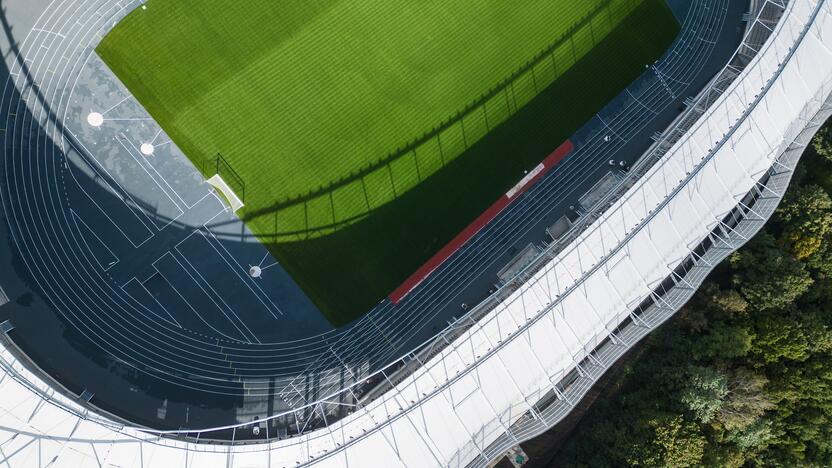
517 364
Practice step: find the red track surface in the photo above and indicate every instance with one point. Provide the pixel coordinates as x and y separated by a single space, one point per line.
482 220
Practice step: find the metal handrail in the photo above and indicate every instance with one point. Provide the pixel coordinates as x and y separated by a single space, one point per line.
449 331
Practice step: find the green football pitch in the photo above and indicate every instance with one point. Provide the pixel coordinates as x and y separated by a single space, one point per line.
363 135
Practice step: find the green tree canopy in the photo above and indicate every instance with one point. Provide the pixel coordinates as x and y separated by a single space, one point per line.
678 443
767 276
822 142
806 216
745 402
704 391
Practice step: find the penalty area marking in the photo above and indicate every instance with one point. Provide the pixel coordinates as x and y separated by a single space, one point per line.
218 183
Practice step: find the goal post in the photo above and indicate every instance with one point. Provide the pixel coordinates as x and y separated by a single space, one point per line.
218 183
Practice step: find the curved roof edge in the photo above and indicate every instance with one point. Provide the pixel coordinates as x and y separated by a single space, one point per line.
713 187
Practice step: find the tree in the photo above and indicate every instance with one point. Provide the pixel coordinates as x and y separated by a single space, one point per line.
779 337
822 142
703 393
758 434
768 277
712 302
745 402
678 442
806 214
723 341
729 302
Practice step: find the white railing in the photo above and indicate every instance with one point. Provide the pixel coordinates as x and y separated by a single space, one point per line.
557 403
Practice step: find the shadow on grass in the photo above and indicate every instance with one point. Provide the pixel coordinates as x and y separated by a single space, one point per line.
504 92
347 272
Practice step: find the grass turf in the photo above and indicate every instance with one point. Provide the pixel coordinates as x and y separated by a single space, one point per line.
365 261
291 118
315 103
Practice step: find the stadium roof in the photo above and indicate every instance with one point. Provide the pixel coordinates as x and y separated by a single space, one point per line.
519 367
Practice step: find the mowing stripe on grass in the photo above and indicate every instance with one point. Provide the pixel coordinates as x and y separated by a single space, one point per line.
367 134
304 98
